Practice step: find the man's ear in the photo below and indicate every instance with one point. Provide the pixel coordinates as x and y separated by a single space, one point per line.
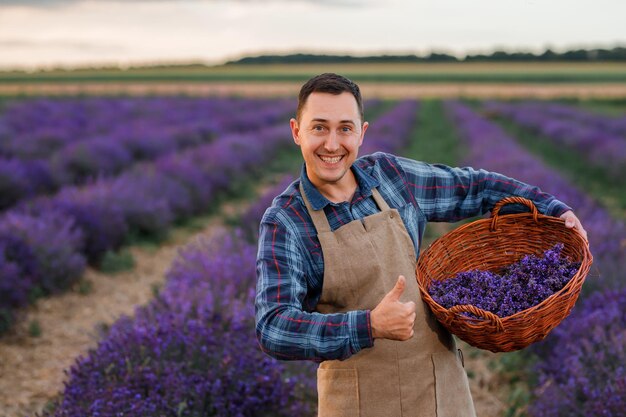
363 129
295 130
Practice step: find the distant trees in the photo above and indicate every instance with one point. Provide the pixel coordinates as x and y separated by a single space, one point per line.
579 55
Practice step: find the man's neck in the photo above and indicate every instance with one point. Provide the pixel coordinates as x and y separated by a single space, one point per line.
341 191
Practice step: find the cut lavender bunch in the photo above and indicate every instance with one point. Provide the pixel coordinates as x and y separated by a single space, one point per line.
519 286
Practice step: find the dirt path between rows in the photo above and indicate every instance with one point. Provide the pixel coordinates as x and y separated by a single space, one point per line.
31 368
370 90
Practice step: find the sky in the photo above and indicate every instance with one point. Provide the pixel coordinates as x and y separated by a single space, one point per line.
78 33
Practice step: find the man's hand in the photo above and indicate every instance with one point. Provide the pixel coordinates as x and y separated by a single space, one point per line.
393 319
572 221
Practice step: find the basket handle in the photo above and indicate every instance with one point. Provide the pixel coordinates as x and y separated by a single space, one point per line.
488 315
512 200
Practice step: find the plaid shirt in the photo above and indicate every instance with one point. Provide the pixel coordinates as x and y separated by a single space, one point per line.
290 265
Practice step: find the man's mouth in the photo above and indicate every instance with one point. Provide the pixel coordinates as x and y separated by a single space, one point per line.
331 159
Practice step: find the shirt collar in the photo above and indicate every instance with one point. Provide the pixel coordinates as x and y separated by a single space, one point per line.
365 183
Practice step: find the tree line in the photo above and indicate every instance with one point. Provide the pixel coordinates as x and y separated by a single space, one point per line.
578 55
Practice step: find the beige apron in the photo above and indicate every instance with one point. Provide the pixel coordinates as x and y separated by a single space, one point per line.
422 376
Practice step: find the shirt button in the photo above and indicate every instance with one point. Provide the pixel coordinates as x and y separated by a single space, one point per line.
391 215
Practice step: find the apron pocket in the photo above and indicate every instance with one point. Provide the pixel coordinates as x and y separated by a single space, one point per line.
452 391
338 392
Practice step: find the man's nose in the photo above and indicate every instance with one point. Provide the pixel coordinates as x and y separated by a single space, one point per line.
331 144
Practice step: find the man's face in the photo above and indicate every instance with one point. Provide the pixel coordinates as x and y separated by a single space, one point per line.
329 134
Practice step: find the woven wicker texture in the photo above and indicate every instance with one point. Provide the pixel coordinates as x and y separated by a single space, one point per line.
491 244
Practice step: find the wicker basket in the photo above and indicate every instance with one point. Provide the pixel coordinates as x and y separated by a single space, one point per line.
491 244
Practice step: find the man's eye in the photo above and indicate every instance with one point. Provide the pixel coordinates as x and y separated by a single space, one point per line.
318 127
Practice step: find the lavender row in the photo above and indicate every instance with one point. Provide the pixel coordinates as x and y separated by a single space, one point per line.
38 128
191 352
46 244
71 146
598 139
616 125
491 148
579 371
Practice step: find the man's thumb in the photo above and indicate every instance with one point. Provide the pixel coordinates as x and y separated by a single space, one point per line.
398 289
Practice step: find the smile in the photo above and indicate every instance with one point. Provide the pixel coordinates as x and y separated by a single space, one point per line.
331 160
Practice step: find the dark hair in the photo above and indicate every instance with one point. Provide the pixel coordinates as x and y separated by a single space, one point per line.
329 83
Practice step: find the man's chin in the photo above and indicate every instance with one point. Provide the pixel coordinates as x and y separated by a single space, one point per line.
331 179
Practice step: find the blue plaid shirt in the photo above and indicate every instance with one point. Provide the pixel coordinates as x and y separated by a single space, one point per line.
290 265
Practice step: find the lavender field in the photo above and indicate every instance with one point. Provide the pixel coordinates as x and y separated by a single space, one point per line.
81 177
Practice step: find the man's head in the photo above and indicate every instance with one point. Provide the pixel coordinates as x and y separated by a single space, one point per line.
329 83
329 130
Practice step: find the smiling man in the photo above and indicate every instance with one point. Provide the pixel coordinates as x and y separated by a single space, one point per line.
336 264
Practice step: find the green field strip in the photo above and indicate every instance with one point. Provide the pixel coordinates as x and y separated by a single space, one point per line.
611 107
379 72
614 108
434 140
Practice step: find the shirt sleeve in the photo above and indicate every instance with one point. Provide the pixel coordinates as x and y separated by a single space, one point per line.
450 194
284 330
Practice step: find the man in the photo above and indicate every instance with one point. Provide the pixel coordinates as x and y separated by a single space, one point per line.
336 264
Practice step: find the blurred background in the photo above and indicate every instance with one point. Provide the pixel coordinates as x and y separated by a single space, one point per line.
212 46
142 140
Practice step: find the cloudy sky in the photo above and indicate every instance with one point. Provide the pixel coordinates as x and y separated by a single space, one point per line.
47 33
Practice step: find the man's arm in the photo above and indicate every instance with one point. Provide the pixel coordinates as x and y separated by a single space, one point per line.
445 193
284 330
448 194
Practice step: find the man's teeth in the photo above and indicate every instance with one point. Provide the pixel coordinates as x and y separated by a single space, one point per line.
333 160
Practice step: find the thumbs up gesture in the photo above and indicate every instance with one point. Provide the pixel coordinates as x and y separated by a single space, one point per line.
393 319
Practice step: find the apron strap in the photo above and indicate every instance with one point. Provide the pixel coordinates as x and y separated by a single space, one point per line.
382 204
319 217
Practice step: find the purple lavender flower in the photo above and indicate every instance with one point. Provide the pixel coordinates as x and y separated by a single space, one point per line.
88 159
583 371
53 257
22 179
517 287
102 222
194 177
16 281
